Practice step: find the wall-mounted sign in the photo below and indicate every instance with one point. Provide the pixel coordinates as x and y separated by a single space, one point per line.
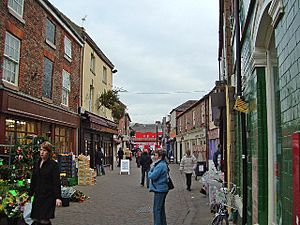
240 105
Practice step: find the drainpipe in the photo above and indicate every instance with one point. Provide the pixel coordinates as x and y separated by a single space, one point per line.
242 115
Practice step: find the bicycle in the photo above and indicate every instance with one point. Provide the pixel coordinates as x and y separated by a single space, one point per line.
221 216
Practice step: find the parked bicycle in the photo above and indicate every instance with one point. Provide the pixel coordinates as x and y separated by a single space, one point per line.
225 202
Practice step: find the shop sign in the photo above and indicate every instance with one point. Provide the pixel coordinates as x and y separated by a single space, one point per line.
125 166
240 105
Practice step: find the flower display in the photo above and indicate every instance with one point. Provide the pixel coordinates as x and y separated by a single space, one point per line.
13 203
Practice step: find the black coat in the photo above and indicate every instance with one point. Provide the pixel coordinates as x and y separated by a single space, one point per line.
45 186
145 161
98 158
120 154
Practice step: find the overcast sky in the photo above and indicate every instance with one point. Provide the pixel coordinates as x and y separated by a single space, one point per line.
165 51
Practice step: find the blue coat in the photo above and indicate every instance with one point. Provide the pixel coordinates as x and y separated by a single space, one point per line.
159 177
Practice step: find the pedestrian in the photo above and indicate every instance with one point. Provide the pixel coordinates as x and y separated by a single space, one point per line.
120 156
99 162
145 163
159 185
138 158
102 162
217 158
45 186
187 165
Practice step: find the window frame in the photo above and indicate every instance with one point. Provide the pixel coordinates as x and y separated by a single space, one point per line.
48 21
194 118
63 139
67 49
12 3
8 58
93 63
104 75
51 77
65 90
91 99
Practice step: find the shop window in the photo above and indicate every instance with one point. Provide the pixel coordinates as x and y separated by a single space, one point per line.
11 59
47 80
19 131
62 140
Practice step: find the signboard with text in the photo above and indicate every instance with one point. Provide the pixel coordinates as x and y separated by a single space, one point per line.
125 166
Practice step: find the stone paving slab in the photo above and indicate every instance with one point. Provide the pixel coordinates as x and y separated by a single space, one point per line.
119 200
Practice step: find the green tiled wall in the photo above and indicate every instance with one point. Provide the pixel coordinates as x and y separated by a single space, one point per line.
287 41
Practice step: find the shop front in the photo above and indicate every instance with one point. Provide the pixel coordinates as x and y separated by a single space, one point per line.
23 118
96 133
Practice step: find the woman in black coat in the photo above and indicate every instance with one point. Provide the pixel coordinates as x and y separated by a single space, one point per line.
45 186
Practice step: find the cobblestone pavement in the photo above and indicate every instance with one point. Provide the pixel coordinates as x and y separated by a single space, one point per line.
119 200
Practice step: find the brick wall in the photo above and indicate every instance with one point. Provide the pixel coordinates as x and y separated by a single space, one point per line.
34 48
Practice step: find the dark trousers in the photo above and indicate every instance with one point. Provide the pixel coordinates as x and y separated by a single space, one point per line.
145 174
188 180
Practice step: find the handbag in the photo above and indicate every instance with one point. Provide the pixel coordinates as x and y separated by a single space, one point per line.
170 183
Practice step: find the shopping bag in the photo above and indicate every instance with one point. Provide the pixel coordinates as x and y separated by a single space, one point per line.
27 212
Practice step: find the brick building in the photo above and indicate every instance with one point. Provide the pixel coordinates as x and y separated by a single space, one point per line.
40 74
192 128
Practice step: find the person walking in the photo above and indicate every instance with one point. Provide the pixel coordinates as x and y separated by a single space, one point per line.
187 165
217 158
159 185
138 158
145 163
120 156
99 162
45 187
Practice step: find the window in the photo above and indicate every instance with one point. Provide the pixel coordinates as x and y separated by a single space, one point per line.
91 98
92 64
16 131
194 119
47 80
203 114
50 31
11 59
104 78
180 125
66 88
17 6
68 47
62 140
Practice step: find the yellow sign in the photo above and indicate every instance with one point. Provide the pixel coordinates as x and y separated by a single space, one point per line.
240 106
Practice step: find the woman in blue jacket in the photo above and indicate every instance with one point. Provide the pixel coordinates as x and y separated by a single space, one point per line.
159 185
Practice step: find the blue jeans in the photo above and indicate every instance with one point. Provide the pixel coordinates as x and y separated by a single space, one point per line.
100 170
159 213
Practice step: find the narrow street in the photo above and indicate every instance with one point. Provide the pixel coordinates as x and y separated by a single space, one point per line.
119 200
